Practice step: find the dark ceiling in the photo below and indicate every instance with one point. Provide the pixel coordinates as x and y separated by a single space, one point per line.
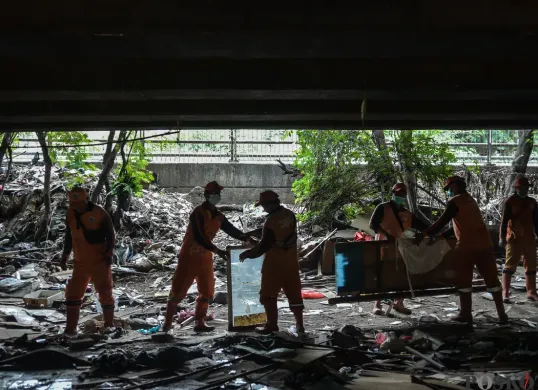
212 64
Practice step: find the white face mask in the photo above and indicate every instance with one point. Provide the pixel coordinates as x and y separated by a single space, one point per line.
214 199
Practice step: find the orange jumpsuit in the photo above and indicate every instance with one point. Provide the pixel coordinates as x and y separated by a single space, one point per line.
384 216
280 269
91 236
473 246
518 227
195 259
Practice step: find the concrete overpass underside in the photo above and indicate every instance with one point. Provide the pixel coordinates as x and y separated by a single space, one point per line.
123 64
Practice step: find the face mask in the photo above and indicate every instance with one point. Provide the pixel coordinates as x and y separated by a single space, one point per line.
214 199
450 193
398 200
522 193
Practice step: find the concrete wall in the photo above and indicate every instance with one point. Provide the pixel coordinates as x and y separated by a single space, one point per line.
242 181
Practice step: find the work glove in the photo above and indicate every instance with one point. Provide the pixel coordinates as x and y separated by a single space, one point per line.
63 261
222 254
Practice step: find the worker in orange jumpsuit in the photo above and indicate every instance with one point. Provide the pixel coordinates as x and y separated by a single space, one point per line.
195 259
90 234
518 228
474 247
280 269
389 221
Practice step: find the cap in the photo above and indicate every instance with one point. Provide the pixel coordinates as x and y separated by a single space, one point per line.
213 187
77 195
267 197
453 179
521 181
399 187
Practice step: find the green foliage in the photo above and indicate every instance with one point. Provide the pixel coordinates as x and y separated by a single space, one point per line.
346 170
69 157
131 177
74 158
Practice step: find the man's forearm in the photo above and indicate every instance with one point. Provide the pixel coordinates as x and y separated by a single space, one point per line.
256 232
507 214
231 230
443 220
68 241
267 241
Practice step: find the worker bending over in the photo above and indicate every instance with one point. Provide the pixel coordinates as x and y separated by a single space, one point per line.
90 234
280 269
389 221
195 259
473 247
518 228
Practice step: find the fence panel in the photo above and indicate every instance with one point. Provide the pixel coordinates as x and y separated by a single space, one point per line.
262 145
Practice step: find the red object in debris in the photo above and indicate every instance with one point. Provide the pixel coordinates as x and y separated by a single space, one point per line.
362 237
312 295
406 338
380 338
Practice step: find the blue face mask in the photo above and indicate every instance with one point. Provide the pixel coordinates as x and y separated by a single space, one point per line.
450 193
214 199
398 200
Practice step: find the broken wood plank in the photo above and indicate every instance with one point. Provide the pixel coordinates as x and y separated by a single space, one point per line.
437 365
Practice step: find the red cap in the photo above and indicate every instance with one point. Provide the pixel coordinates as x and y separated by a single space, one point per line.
522 181
267 197
453 179
399 187
213 187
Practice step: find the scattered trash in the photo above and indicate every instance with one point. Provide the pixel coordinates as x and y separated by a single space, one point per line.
308 294
42 298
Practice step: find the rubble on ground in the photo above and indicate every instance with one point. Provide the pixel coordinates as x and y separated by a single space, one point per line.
347 346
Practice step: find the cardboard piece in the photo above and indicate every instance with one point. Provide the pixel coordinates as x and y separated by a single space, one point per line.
42 298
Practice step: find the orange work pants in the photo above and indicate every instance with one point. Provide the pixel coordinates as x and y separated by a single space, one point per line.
484 260
515 250
281 274
97 271
191 266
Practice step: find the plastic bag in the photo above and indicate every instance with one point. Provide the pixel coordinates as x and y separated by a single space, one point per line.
423 258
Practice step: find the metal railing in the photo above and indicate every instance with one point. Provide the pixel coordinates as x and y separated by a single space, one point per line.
258 146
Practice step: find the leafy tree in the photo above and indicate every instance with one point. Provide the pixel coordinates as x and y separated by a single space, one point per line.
344 170
66 149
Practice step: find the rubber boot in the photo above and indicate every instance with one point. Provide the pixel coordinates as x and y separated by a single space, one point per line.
73 314
507 279
530 283
400 308
200 314
299 322
171 310
271 311
378 309
497 298
466 306
108 316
